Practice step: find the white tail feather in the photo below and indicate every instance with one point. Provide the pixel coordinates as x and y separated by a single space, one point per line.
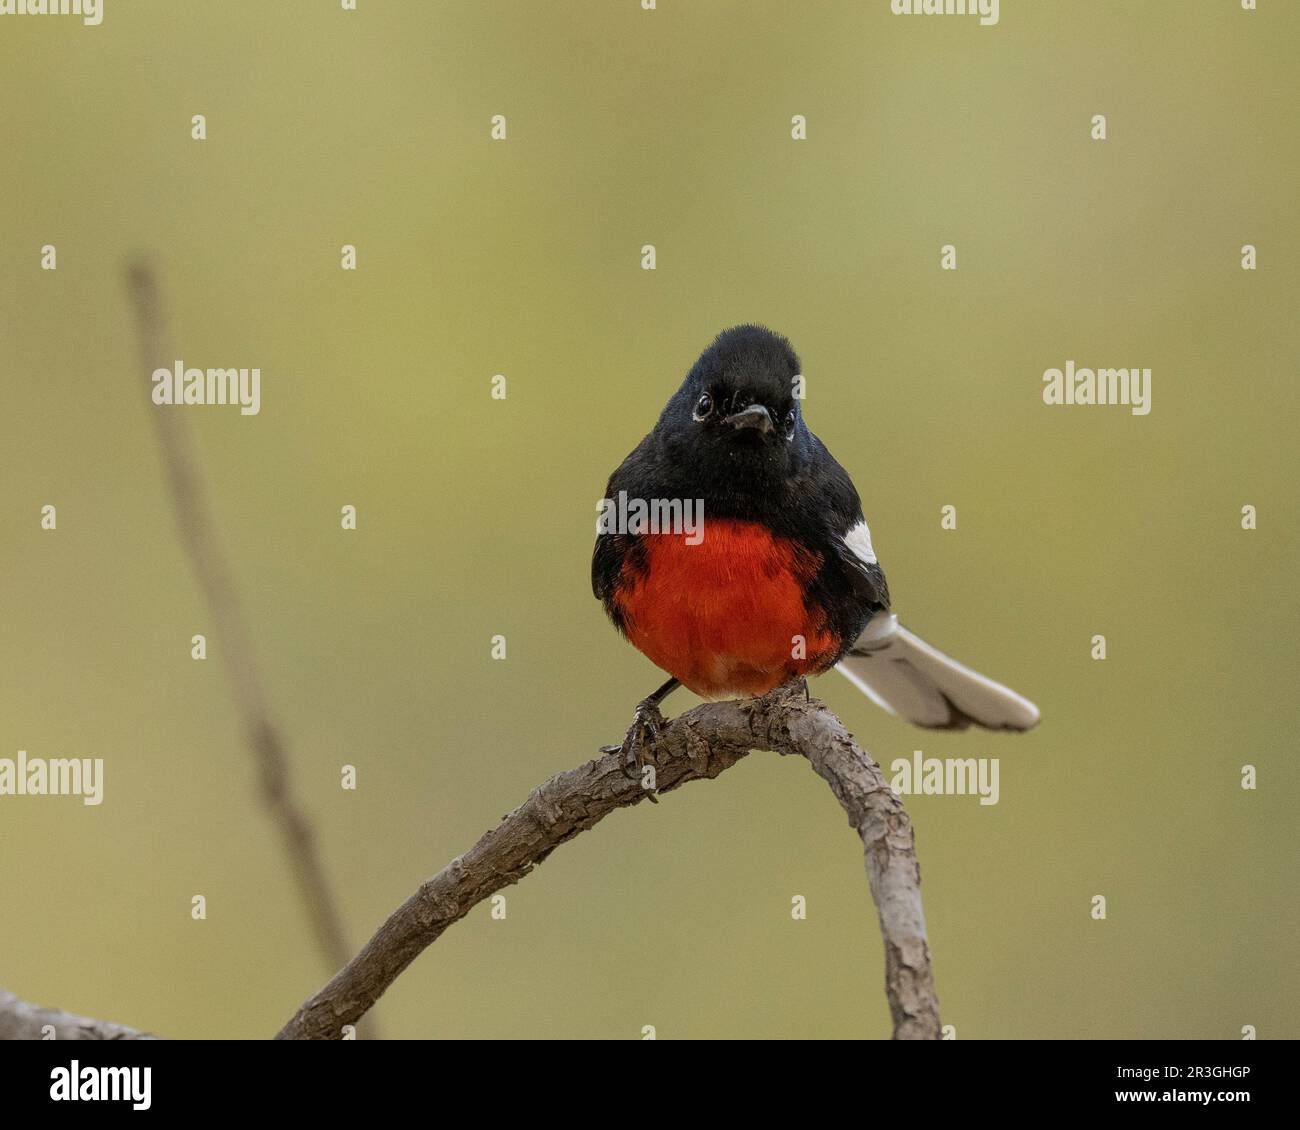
902 673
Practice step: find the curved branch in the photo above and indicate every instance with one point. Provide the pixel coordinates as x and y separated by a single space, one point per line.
699 744
22 1021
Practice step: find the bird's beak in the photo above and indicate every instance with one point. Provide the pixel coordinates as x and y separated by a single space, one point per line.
755 416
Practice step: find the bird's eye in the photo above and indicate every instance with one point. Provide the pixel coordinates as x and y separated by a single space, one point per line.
704 406
788 422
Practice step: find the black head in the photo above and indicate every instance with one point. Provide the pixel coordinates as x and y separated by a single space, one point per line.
736 416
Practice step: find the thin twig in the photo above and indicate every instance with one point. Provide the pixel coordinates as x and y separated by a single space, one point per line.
22 1021
234 644
697 745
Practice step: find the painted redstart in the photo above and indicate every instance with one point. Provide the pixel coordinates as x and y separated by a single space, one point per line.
780 580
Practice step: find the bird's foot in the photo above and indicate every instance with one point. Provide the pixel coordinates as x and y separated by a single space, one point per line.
642 736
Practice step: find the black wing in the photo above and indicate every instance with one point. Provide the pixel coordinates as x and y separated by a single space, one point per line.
850 586
614 551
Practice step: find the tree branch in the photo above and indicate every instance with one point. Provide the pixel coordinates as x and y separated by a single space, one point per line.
198 535
22 1021
699 744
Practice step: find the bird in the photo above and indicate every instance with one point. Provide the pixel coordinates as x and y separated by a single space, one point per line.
780 580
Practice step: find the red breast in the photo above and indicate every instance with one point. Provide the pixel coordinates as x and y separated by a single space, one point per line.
727 616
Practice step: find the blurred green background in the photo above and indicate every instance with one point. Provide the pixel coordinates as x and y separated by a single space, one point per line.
476 516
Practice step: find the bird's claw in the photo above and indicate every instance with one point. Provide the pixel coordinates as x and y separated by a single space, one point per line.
642 736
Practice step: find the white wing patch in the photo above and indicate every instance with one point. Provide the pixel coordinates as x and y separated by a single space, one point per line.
858 540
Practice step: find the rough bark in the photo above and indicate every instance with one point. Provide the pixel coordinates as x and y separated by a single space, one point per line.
22 1021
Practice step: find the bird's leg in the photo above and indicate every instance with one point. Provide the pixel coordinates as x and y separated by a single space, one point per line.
643 734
